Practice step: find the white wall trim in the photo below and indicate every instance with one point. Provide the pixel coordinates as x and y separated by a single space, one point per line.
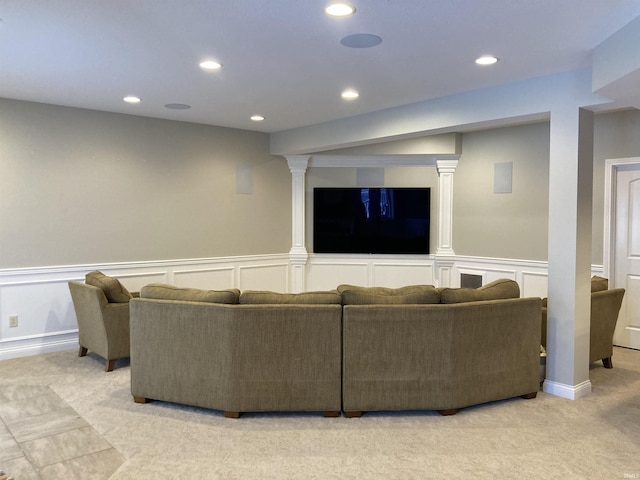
38 344
40 296
571 392
610 171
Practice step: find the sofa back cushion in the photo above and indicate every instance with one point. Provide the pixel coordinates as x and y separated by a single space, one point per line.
267 297
162 291
411 294
496 290
599 284
112 288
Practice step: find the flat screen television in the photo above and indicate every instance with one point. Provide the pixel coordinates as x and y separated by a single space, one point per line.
371 220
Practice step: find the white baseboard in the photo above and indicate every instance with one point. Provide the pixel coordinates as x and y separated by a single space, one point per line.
572 392
37 344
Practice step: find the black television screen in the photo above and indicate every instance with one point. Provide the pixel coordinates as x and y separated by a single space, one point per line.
371 220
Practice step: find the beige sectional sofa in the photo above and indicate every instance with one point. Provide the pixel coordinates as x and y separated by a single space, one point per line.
355 349
273 352
466 350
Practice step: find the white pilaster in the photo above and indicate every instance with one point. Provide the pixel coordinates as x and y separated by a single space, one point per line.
298 255
444 271
446 169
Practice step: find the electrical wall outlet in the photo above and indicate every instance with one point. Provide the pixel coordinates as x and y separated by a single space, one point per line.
13 321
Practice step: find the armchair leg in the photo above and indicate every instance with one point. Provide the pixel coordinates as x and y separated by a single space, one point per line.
83 351
141 399
353 414
331 414
110 365
529 396
607 362
228 414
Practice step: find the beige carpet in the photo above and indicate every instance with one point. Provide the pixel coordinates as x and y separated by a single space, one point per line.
64 417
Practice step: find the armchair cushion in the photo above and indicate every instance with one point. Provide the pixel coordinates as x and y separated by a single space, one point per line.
411 294
497 290
162 291
112 288
266 297
599 284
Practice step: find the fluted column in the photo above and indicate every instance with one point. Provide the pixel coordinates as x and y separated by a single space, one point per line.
298 254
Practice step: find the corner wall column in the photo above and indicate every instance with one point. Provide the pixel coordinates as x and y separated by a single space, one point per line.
298 255
570 212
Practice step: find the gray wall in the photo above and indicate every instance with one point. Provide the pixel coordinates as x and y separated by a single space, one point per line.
81 187
503 225
616 135
515 225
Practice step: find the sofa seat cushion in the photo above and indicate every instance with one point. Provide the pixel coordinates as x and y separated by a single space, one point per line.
112 288
162 291
496 290
411 294
267 297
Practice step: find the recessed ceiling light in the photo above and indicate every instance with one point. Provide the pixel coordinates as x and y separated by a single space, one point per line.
339 10
257 118
210 65
350 94
132 99
486 60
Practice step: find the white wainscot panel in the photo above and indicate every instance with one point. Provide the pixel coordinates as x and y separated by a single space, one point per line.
399 275
496 274
210 279
42 307
272 277
327 276
534 284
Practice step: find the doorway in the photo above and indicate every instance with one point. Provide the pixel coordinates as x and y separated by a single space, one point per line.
622 244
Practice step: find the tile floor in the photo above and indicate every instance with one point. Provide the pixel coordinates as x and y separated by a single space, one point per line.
43 438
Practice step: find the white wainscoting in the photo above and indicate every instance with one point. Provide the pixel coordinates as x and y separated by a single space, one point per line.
326 272
46 319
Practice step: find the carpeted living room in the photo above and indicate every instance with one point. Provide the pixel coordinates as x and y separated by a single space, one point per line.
343 185
64 417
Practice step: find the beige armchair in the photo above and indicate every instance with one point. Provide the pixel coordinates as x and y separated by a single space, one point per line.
103 327
605 306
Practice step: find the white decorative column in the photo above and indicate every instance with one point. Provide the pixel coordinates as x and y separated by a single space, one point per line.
298 254
446 169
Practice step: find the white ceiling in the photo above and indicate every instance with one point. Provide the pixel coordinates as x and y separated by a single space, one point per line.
283 58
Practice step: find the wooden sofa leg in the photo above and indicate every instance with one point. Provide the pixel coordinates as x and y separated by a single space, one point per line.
353 414
141 399
110 365
82 352
449 411
529 396
330 414
232 414
607 362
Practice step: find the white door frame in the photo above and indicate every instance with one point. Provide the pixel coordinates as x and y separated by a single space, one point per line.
611 169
